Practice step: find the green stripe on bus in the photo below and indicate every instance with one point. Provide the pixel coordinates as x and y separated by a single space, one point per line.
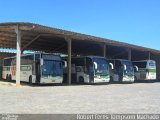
147 70
23 68
102 76
151 70
52 75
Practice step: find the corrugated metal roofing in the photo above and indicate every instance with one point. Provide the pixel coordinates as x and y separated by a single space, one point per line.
52 38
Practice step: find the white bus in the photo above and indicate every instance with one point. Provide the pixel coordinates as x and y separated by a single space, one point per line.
90 69
145 70
35 68
121 70
1 61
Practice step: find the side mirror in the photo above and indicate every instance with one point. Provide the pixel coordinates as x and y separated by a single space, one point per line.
95 65
135 68
42 61
64 63
125 67
111 65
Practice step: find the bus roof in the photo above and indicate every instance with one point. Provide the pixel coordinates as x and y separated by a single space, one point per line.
90 56
120 59
32 54
143 60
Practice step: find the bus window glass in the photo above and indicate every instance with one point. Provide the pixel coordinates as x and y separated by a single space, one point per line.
52 68
102 66
78 62
7 62
27 60
37 57
140 64
129 67
152 64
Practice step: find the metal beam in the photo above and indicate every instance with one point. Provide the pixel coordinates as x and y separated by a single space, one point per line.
38 36
34 39
69 41
129 54
18 56
149 55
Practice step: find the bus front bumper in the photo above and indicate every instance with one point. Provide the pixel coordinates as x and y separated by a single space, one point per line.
101 80
47 80
128 79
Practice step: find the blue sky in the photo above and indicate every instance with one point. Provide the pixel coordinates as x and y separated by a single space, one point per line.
132 21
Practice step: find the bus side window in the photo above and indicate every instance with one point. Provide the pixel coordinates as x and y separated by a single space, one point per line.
152 64
7 62
140 64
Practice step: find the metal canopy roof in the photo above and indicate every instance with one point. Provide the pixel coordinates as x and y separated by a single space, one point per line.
43 38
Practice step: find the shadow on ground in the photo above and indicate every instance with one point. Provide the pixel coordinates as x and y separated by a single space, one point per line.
76 84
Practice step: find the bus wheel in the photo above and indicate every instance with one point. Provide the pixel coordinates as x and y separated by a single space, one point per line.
135 78
111 79
81 80
10 77
7 77
30 80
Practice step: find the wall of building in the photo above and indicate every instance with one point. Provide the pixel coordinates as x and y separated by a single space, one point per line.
157 59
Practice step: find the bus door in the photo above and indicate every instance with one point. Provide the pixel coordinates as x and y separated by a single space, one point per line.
38 73
142 69
118 71
90 69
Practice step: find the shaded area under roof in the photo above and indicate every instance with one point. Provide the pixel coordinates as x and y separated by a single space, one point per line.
42 38
47 39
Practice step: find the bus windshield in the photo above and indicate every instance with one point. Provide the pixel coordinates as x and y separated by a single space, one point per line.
129 67
102 66
152 64
51 67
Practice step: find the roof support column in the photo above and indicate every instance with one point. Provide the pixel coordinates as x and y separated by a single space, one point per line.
149 55
130 54
69 42
18 56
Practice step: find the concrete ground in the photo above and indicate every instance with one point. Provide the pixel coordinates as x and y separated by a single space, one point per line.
112 98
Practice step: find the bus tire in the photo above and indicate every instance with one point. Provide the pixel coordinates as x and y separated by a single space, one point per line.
135 78
10 77
81 80
111 79
7 77
30 80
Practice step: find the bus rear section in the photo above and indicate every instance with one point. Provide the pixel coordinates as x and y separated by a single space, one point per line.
1 68
121 70
51 69
145 70
35 68
90 69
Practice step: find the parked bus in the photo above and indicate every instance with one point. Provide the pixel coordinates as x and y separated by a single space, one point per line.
90 69
1 61
35 68
145 70
121 70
